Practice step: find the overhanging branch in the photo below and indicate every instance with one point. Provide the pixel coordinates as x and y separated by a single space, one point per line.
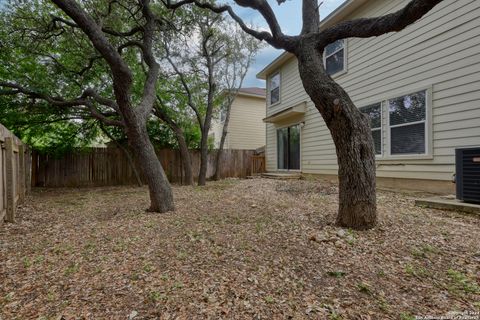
276 38
371 27
131 32
84 100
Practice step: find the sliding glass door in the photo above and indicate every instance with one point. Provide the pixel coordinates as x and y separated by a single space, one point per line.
288 148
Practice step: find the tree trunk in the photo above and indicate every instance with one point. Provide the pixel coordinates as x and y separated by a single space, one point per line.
161 197
216 176
212 87
353 140
161 113
202 174
218 157
356 172
185 154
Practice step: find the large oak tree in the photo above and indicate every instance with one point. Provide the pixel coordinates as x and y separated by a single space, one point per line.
348 126
113 38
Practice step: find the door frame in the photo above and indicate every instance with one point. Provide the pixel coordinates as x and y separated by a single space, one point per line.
300 125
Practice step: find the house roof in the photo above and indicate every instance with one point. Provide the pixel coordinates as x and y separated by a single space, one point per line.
337 15
253 91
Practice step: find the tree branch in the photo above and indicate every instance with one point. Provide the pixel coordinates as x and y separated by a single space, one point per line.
55 101
310 16
276 38
91 61
77 102
72 24
122 75
371 27
99 116
159 111
148 97
185 86
101 100
131 43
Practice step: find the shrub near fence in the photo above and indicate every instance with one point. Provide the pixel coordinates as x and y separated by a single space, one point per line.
110 166
15 164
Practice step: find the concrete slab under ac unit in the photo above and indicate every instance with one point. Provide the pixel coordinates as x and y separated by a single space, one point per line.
448 203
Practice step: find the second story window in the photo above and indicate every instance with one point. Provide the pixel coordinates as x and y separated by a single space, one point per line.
334 56
274 88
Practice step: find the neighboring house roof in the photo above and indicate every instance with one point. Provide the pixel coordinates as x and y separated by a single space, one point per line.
253 91
337 15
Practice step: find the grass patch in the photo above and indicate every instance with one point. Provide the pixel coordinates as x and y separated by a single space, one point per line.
336 274
156 296
177 285
62 249
269 299
334 316
147 267
424 251
416 271
71 269
461 282
27 263
406 316
383 304
364 288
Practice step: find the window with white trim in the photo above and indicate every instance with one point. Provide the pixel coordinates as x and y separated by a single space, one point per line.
334 57
274 88
374 113
408 124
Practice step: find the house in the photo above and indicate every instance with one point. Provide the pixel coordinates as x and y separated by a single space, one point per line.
420 87
246 129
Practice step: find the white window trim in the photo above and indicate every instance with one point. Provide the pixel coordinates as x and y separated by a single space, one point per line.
345 60
279 89
428 128
385 120
378 156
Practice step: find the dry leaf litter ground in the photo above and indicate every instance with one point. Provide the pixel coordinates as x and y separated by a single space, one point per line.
235 249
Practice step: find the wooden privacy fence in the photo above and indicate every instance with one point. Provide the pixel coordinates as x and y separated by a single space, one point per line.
258 164
110 166
15 169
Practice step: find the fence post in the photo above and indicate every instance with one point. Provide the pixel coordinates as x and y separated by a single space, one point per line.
10 183
28 170
21 172
34 168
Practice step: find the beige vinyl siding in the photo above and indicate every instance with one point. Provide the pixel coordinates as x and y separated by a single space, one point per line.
271 148
246 129
440 52
216 131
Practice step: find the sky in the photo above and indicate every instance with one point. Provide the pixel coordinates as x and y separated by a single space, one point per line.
289 16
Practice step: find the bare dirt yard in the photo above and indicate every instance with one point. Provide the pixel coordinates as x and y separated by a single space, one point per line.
235 249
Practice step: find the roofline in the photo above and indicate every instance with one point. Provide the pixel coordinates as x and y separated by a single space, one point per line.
246 94
251 95
336 15
281 59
